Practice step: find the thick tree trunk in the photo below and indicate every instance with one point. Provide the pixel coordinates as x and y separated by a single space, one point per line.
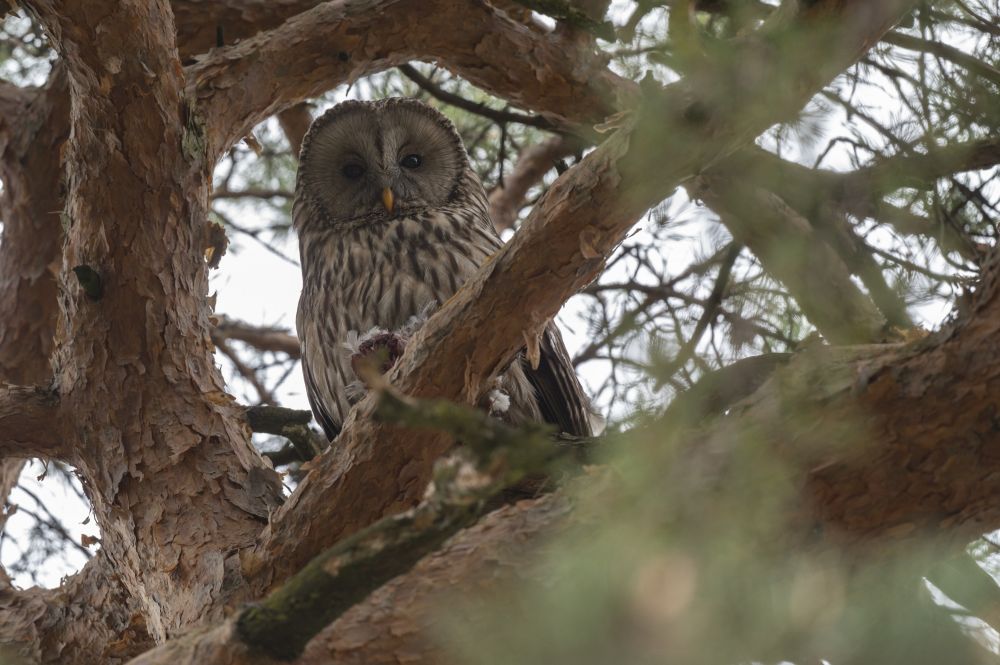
175 484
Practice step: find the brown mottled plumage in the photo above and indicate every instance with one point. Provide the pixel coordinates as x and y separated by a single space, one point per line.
372 261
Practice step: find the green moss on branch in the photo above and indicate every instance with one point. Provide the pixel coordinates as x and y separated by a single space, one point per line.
347 573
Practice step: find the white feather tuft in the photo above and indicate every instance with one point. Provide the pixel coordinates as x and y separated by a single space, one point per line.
499 401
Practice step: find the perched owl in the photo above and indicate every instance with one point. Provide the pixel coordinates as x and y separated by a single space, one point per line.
391 221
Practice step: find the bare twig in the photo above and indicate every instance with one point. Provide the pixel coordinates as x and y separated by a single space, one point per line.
709 312
957 56
479 108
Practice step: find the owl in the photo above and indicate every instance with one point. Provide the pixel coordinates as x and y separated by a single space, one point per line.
391 221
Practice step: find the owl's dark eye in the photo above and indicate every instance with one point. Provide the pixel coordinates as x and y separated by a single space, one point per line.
353 171
410 161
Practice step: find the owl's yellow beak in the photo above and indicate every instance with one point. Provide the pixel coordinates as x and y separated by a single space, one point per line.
387 199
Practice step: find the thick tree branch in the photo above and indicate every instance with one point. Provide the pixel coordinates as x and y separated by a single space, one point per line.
236 87
201 25
33 126
34 123
346 574
343 576
106 624
490 555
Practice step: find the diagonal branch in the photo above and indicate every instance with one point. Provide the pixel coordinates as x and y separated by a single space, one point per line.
478 108
970 62
860 192
488 555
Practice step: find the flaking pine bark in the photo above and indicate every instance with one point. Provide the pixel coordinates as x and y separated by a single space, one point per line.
192 521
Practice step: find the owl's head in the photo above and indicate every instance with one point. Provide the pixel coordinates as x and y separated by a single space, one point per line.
376 160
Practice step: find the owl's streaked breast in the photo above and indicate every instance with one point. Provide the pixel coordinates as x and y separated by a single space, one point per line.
379 274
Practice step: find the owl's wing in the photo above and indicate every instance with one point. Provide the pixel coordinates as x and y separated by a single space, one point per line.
330 427
560 396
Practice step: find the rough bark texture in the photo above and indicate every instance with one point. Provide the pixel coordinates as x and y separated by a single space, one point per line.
171 461
935 431
199 24
34 126
30 423
91 618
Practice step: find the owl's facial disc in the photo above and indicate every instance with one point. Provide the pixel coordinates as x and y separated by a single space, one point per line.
383 160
